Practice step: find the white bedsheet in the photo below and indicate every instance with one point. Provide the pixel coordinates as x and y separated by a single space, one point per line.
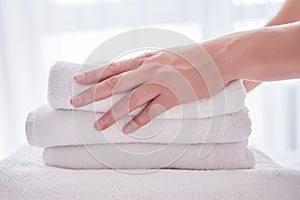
24 176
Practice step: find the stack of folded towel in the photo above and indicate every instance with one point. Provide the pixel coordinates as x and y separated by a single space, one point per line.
208 134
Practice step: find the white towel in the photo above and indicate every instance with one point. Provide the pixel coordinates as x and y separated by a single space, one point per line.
24 176
47 127
61 88
151 156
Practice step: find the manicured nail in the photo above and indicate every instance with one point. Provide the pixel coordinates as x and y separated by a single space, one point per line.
75 101
127 129
130 128
99 125
79 77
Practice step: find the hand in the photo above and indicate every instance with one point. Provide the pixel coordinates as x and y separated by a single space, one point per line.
161 80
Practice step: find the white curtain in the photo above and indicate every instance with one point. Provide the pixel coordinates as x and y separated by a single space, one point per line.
36 33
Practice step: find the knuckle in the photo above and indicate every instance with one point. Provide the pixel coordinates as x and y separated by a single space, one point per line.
112 82
113 67
151 57
97 75
162 54
165 58
124 102
109 118
89 75
91 93
150 67
130 100
147 55
162 73
161 57
97 92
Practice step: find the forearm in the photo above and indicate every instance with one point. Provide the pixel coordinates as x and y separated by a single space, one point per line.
244 50
288 13
264 54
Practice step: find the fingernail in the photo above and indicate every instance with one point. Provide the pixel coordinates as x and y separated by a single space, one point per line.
99 125
79 77
128 129
75 101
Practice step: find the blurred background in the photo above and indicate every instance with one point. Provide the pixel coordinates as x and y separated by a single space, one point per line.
36 33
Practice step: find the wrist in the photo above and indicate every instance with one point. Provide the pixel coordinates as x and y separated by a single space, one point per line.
221 52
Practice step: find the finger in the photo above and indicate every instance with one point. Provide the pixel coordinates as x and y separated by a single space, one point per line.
137 98
156 107
102 73
115 84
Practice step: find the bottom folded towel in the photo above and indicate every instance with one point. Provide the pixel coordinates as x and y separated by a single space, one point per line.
23 176
151 156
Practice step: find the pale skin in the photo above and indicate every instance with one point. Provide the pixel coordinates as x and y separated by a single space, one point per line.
265 54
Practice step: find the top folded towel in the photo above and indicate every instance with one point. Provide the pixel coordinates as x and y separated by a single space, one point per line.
62 87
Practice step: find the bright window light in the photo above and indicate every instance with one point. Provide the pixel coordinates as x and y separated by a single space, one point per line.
255 2
75 46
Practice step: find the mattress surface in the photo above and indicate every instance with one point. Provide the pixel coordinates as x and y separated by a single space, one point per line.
24 176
